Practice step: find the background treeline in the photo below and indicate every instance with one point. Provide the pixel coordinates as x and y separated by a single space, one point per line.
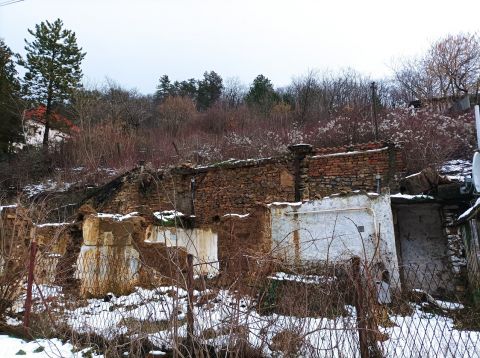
211 119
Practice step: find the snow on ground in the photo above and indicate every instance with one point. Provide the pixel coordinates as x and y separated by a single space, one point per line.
220 317
220 314
16 347
419 334
47 186
282 276
428 335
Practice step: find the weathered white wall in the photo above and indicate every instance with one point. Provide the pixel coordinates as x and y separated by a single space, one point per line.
201 243
107 261
328 230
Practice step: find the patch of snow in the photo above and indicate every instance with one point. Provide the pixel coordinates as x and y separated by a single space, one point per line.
449 306
7 207
10 321
241 216
40 348
47 186
279 203
167 215
412 197
467 213
117 217
354 152
457 169
52 224
314 279
444 305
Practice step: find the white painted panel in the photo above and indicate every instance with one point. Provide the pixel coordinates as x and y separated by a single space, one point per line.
335 229
201 243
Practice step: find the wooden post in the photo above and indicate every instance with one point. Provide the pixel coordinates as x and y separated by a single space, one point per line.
28 299
190 300
359 306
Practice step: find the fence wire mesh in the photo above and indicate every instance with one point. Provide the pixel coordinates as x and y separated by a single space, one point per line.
127 300
350 309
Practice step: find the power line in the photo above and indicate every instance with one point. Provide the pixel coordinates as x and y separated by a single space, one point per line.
9 2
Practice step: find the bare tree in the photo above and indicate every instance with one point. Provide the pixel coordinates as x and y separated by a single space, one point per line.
234 92
451 67
455 63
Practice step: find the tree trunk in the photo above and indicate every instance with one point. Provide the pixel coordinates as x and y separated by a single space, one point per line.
47 116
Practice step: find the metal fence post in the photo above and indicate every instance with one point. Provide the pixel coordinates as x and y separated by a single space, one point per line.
28 299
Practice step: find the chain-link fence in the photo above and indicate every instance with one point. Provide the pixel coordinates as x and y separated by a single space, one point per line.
123 306
142 299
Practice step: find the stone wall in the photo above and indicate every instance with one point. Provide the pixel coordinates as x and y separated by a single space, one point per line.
238 187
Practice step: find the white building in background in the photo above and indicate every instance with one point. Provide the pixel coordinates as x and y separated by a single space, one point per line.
34 128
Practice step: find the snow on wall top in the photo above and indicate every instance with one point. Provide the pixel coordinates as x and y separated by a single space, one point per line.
117 217
470 212
457 169
7 207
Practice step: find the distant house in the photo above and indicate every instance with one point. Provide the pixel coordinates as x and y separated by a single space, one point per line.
61 128
445 104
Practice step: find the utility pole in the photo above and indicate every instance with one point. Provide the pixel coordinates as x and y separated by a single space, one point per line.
373 86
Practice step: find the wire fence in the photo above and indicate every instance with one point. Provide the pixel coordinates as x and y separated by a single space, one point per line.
346 309
143 300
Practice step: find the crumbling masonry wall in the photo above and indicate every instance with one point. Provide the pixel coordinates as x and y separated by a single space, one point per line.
334 170
227 197
240 186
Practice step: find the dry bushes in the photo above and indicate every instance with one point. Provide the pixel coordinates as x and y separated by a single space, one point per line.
14 251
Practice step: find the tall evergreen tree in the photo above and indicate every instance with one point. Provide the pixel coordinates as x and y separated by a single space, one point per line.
164 89
261 94
186 88
53 67
10 109
209 90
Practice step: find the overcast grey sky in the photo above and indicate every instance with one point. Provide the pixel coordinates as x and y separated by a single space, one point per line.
135 42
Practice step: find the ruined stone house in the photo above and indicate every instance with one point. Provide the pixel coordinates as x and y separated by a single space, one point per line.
139 227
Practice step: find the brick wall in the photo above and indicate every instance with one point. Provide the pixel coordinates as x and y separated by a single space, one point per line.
334 170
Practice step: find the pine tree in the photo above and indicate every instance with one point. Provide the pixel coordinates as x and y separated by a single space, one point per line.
10 107
261 95
164 89
53 67
209 90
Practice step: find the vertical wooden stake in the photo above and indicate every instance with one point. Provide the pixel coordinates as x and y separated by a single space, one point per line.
190 299
361 316
28 300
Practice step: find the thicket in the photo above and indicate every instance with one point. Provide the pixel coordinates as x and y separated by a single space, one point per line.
198 121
